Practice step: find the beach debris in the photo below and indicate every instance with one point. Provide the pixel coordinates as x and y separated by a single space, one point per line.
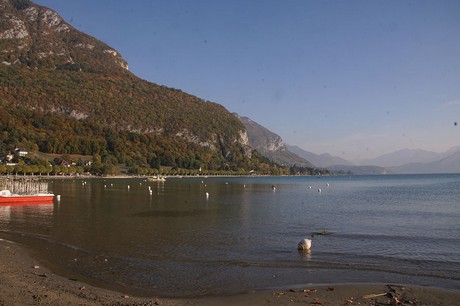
82 288
36 267
309 290
126 296
304 245
392 295
278 294
316 302
43 275
330 289
373 296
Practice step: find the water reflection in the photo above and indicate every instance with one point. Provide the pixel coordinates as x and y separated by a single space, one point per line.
25 212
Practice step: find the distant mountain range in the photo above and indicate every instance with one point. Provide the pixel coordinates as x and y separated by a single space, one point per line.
406 156
447 164
324 160
405 161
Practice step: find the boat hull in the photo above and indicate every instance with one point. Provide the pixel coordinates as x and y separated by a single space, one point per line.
19 199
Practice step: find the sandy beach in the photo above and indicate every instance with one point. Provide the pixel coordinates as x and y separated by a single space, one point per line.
24 281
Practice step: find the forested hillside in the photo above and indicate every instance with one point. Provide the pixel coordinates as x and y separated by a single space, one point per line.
64 92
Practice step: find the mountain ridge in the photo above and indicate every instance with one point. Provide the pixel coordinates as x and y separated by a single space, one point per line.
270 144
63 91
324 160
404 156
38 37
446 164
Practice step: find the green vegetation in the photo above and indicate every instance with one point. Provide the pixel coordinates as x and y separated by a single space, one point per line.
129 124
67 93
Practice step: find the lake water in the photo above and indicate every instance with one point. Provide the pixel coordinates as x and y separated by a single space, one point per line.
177 241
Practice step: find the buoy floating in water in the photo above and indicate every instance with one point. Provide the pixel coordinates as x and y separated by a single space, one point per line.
58 197
319 190
304 245
207 195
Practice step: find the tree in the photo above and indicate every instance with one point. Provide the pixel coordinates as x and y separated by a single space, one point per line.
96 165
56 170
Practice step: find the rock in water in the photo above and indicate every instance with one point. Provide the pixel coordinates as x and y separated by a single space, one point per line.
304 245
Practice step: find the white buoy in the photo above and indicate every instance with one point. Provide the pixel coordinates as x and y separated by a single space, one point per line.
309 187
207 195
319 190
128 187
58 197
304 245
327 184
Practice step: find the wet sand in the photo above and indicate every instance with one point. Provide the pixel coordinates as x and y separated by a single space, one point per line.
23 281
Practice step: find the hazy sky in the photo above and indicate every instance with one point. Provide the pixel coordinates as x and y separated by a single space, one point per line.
355 79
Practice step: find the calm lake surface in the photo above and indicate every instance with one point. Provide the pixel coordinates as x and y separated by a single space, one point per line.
176 241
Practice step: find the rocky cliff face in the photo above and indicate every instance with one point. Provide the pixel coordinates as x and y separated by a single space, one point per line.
270 144
38 37
261 138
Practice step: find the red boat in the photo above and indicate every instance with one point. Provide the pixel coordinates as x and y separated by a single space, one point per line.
6 197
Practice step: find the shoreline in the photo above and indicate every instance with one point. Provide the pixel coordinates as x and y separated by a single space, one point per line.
24 281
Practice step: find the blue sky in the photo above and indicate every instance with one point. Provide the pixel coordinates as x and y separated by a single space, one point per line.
355 79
